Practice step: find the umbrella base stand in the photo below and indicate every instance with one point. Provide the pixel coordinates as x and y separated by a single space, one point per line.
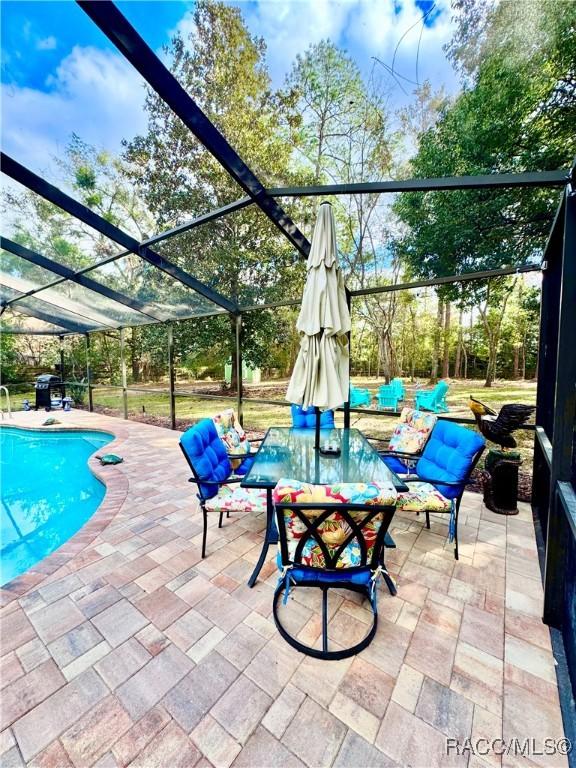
500 481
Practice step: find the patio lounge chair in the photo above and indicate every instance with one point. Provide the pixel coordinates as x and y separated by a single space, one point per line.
359 397
388 398
238 447
305 418
434 399
441 474
212 472
410 435
399 388
331 538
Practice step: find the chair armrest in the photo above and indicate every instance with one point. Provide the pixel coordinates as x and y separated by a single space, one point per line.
231 479
246 453
376 439
401 455
453 483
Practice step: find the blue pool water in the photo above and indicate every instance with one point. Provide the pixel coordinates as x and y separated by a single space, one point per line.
47 493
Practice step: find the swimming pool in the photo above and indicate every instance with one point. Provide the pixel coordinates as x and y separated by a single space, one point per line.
47 493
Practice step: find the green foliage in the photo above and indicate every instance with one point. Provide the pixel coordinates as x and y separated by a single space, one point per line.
10 363
329 123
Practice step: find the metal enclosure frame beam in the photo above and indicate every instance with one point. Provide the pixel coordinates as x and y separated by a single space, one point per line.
464 277
171 377
48 318
89 373
204 218
123 372
81 212
490 181
563 419
120 32
239 384
68 274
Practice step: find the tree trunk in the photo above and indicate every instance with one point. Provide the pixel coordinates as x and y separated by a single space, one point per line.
524 357
446 358
384 355
489 370
458 360
135 357
413 347
233 358
516 362
437 339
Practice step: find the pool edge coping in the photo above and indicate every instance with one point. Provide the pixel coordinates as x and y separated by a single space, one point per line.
116 486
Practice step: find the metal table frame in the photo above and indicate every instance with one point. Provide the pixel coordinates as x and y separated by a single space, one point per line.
271 535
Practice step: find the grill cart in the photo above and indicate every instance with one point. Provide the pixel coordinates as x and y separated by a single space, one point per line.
49 391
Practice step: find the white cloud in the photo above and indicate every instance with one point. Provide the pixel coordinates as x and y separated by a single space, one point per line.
46 43
367 28
289 27
95 94
401 39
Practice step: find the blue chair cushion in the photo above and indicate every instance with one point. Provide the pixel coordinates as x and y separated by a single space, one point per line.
244 466
394 463
361 575
305 418
448 455
206 455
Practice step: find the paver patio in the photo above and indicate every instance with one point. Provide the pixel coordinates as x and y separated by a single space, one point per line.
125 648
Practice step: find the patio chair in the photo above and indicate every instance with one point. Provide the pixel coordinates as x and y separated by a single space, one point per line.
332 537
442 472
239 449
410 435
359 397
434 399
305 418
399 388
388 397
212 472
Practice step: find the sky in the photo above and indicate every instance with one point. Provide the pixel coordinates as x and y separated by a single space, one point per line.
61 75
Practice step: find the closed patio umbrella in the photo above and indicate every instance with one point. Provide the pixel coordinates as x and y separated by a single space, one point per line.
320 377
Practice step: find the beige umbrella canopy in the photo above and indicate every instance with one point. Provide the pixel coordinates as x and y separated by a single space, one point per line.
320 377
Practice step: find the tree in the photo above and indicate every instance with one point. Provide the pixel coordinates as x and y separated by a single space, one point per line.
338 124
515 113
9 358
243 256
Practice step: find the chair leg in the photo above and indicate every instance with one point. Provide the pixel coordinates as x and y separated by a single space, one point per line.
390 583
428 520
456 531
220 519
227 514
205 530
325 620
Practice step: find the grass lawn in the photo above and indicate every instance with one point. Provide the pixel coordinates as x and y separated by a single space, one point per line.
155 406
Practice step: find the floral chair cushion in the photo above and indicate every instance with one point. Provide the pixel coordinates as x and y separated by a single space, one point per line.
423 497
236 499
232 435
412 431
335 529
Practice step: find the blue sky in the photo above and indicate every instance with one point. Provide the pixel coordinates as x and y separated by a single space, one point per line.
61 75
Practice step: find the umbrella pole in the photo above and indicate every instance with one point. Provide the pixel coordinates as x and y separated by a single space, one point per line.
317 430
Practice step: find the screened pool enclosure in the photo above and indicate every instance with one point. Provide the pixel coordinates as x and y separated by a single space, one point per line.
183 273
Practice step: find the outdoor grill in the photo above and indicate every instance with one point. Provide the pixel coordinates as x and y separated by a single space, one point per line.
49 391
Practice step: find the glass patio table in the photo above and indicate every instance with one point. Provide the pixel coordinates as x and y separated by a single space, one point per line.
289 453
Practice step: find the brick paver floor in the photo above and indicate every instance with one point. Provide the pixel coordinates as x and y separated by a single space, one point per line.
125 648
